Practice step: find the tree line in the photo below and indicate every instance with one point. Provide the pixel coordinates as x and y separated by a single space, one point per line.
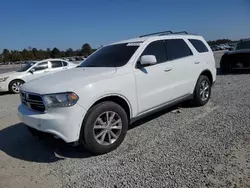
221 41
35 54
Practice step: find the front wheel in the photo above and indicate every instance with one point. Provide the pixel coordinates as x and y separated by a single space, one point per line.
225 67
14 86
104 128
202 91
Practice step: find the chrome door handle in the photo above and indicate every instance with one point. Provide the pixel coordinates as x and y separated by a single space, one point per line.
197 62
167 69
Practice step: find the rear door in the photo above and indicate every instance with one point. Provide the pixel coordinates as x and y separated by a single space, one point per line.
184 63
56 66
204 54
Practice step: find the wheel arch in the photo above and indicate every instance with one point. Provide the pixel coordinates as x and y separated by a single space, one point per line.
16 79
208 74
117 98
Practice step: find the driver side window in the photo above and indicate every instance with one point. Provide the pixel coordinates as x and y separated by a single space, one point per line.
41 66
157 49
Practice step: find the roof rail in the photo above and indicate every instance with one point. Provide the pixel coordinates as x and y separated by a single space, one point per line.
158 33
181 32
166 33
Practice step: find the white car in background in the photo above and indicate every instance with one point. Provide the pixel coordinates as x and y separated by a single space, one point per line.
11 81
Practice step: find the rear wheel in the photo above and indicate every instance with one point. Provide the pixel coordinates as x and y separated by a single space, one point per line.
202 91
14 86
104 128
225 68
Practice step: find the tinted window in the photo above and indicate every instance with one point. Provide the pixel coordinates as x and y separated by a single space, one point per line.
56 64
65 63
157 49
41 66
199 45
177 48
115 55
243 45
26 66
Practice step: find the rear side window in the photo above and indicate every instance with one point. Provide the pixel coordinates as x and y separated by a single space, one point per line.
56 64
65 63
199 45
177 48
157 49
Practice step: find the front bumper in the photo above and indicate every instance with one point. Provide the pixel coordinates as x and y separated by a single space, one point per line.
64 123
4 87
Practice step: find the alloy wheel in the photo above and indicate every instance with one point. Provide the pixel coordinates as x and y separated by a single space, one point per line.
107 128
204 90
16 86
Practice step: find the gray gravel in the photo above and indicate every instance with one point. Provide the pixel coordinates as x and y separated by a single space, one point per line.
199 147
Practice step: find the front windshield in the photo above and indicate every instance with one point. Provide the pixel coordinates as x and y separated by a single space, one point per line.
243 45
111 56
26 67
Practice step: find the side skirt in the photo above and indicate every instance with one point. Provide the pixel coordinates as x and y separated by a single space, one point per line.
161 107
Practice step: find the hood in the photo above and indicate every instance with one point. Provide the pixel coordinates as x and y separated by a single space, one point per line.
12 73
69 80
246 51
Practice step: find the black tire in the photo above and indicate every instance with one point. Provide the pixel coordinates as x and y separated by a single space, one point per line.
225 68
12 84
197 100
87 132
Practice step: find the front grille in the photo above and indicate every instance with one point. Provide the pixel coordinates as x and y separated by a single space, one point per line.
32 101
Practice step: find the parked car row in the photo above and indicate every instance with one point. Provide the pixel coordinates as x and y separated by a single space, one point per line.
223 47
238 58
70 59
11 81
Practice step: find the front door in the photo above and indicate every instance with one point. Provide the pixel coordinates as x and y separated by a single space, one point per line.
155 83
41 69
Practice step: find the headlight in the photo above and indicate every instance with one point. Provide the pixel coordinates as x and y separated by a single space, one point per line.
60 100
3 79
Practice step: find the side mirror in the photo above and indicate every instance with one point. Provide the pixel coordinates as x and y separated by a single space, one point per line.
148 60
32 71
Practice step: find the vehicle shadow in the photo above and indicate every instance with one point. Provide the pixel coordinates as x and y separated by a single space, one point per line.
233 72
5 93
16 141
155 115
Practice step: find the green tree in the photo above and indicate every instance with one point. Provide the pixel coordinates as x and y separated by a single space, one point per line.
6 55
27 55
69 52
1 58
36 53
42 54
55 53
15 56
48 53
86 49
79 53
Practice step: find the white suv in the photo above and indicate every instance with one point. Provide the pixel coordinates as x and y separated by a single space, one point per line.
11 81
94 103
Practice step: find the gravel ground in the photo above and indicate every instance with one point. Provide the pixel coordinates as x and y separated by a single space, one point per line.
198 147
